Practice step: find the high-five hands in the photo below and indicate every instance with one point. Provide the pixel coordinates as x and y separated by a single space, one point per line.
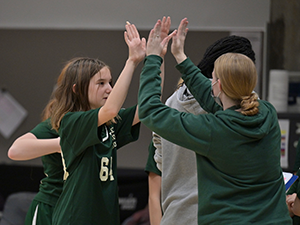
158 39
157 43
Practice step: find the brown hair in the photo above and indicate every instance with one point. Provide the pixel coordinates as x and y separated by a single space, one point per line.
77 71
48 109
238 77
179 83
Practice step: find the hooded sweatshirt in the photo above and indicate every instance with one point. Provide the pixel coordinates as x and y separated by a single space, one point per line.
179 192
238 157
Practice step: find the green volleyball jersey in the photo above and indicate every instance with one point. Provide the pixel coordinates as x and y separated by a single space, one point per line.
51 185
238 157
90 192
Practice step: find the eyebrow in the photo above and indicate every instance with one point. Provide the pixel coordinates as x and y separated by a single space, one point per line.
101 79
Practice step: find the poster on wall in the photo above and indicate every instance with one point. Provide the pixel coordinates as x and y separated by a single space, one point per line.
284 127
12 114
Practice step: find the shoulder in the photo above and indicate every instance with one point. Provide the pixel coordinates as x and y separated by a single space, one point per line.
44 130
79 120
81 114
266 106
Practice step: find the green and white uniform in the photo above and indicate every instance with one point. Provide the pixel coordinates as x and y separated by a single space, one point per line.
40 211
238 156
90 192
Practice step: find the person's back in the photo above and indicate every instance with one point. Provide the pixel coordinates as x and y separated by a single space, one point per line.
240 163
243 178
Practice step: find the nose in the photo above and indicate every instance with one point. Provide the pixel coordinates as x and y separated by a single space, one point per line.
109 88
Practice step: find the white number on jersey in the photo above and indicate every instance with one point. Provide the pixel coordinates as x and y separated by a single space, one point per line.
106 171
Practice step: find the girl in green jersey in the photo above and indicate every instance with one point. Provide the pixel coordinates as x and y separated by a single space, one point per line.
87 115
42 141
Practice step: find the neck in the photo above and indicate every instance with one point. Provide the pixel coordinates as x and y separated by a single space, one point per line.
227 102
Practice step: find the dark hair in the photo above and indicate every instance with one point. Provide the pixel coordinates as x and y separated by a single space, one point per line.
234 44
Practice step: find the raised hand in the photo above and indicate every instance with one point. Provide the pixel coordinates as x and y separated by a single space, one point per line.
136 45
178 39
157 45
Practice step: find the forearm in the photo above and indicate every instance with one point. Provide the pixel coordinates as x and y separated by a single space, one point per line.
118 94
155 211
296 207
29 147
180 57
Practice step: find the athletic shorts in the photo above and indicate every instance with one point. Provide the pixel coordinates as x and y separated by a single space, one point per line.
39 214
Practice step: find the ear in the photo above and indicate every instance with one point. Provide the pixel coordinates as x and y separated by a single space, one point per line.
219 85
74 90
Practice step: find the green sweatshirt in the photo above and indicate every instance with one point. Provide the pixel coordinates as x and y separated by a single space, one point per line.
238 157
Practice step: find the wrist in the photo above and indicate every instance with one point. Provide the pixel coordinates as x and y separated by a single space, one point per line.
180 58
132 62
153 53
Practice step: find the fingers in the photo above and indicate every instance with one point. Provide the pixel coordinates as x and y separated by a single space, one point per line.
155 32
166 24
182 28
157 28
144 43
290 199
169 37
165 27
126 37
131 31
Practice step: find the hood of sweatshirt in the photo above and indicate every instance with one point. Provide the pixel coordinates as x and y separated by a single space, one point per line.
184 101
257 126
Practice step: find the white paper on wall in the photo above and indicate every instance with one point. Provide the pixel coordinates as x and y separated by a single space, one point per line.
12 114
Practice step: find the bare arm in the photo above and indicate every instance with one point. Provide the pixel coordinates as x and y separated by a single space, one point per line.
155 211
28 147
137 49
296 207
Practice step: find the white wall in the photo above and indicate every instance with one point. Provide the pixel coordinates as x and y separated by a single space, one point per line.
112 14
